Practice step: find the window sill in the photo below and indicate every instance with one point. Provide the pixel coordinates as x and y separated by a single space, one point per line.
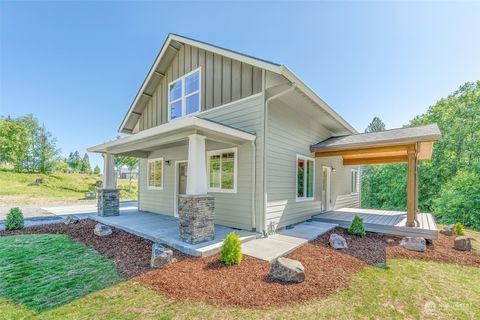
155 188
304 199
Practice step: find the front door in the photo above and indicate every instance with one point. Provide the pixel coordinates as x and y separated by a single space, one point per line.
181 181
326 188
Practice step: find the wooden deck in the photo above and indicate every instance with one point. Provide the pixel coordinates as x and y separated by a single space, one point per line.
382 221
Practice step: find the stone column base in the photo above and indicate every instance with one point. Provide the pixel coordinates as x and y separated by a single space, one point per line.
108 202
196 218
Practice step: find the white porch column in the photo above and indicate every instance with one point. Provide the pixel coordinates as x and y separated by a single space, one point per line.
197 168
109 181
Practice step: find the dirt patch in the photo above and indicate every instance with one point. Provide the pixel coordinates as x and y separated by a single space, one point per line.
131 254
247 284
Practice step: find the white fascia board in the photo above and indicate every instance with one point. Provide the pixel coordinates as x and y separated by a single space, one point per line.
312 95
185 123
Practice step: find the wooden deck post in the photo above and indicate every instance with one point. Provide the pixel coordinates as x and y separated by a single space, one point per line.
411 186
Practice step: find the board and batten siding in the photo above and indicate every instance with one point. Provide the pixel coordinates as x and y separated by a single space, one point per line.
290 132
231 209
223 80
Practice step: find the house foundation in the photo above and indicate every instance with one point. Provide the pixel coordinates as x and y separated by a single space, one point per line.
108 202
196 218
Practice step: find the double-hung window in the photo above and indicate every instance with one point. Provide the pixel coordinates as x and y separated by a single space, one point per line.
184 95
222 170
155 173
305 178
354 181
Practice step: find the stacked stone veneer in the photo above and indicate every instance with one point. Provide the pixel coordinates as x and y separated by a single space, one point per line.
108 202
196 218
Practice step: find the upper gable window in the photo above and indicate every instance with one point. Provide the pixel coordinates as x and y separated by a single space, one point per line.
184 95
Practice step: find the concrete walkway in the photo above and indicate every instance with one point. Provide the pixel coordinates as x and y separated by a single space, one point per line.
285 240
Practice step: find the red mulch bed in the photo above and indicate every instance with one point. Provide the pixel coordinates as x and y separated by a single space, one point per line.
130 253
247 285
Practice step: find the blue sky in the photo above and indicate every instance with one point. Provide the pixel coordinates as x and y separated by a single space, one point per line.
77 66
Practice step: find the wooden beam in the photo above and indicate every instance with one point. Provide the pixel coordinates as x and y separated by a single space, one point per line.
375 160
425 150
367 151
411 188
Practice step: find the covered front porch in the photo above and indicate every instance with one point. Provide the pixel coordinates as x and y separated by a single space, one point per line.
174 174
405 145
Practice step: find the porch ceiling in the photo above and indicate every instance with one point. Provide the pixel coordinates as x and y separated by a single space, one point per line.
391 146
171 134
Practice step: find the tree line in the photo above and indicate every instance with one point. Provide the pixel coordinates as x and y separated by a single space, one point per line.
449 184
28 146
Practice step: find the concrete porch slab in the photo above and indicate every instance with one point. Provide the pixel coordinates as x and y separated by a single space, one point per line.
164 229
285 240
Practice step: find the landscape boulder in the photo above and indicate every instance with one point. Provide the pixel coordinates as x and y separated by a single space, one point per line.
160 256
102 230
338 242
414 244
463 243
71 220
448 230
287 270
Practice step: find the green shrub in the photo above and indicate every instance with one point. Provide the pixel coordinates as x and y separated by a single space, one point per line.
14 219
459 229
231 252
357 228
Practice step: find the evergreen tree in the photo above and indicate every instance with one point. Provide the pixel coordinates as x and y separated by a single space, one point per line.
96 170
75 162
86 168
376 125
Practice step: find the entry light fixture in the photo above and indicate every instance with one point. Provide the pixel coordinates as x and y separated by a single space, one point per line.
334 169
167 162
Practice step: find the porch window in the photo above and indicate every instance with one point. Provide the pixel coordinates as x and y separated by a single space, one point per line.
305 178
354 181
155 174
222 170
184 95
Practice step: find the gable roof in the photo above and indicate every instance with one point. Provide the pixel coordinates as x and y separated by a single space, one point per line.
169 50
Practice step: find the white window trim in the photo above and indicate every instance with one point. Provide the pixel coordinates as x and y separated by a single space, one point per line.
184 97
301 199
149 187
351 181
235 176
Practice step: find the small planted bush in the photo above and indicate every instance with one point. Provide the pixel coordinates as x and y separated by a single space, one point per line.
459 229
231 252
14 219
357 228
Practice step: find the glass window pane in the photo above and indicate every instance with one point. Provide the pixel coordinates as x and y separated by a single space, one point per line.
193 104
228 170
150 174
176 110
192 82
158 173
215 171
310 172
176 90
300 179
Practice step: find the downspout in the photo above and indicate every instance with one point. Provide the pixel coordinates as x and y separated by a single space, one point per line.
265 130
254 178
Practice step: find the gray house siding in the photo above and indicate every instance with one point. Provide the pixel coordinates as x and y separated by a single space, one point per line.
231 209
223 80
290 133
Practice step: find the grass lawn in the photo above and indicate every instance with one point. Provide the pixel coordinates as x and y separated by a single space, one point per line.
45 271
409 289
20 188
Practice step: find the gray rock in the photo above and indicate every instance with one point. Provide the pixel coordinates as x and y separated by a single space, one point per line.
463 243
71 220
102 230
414 244
338 242
448 230
287 270
160 256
